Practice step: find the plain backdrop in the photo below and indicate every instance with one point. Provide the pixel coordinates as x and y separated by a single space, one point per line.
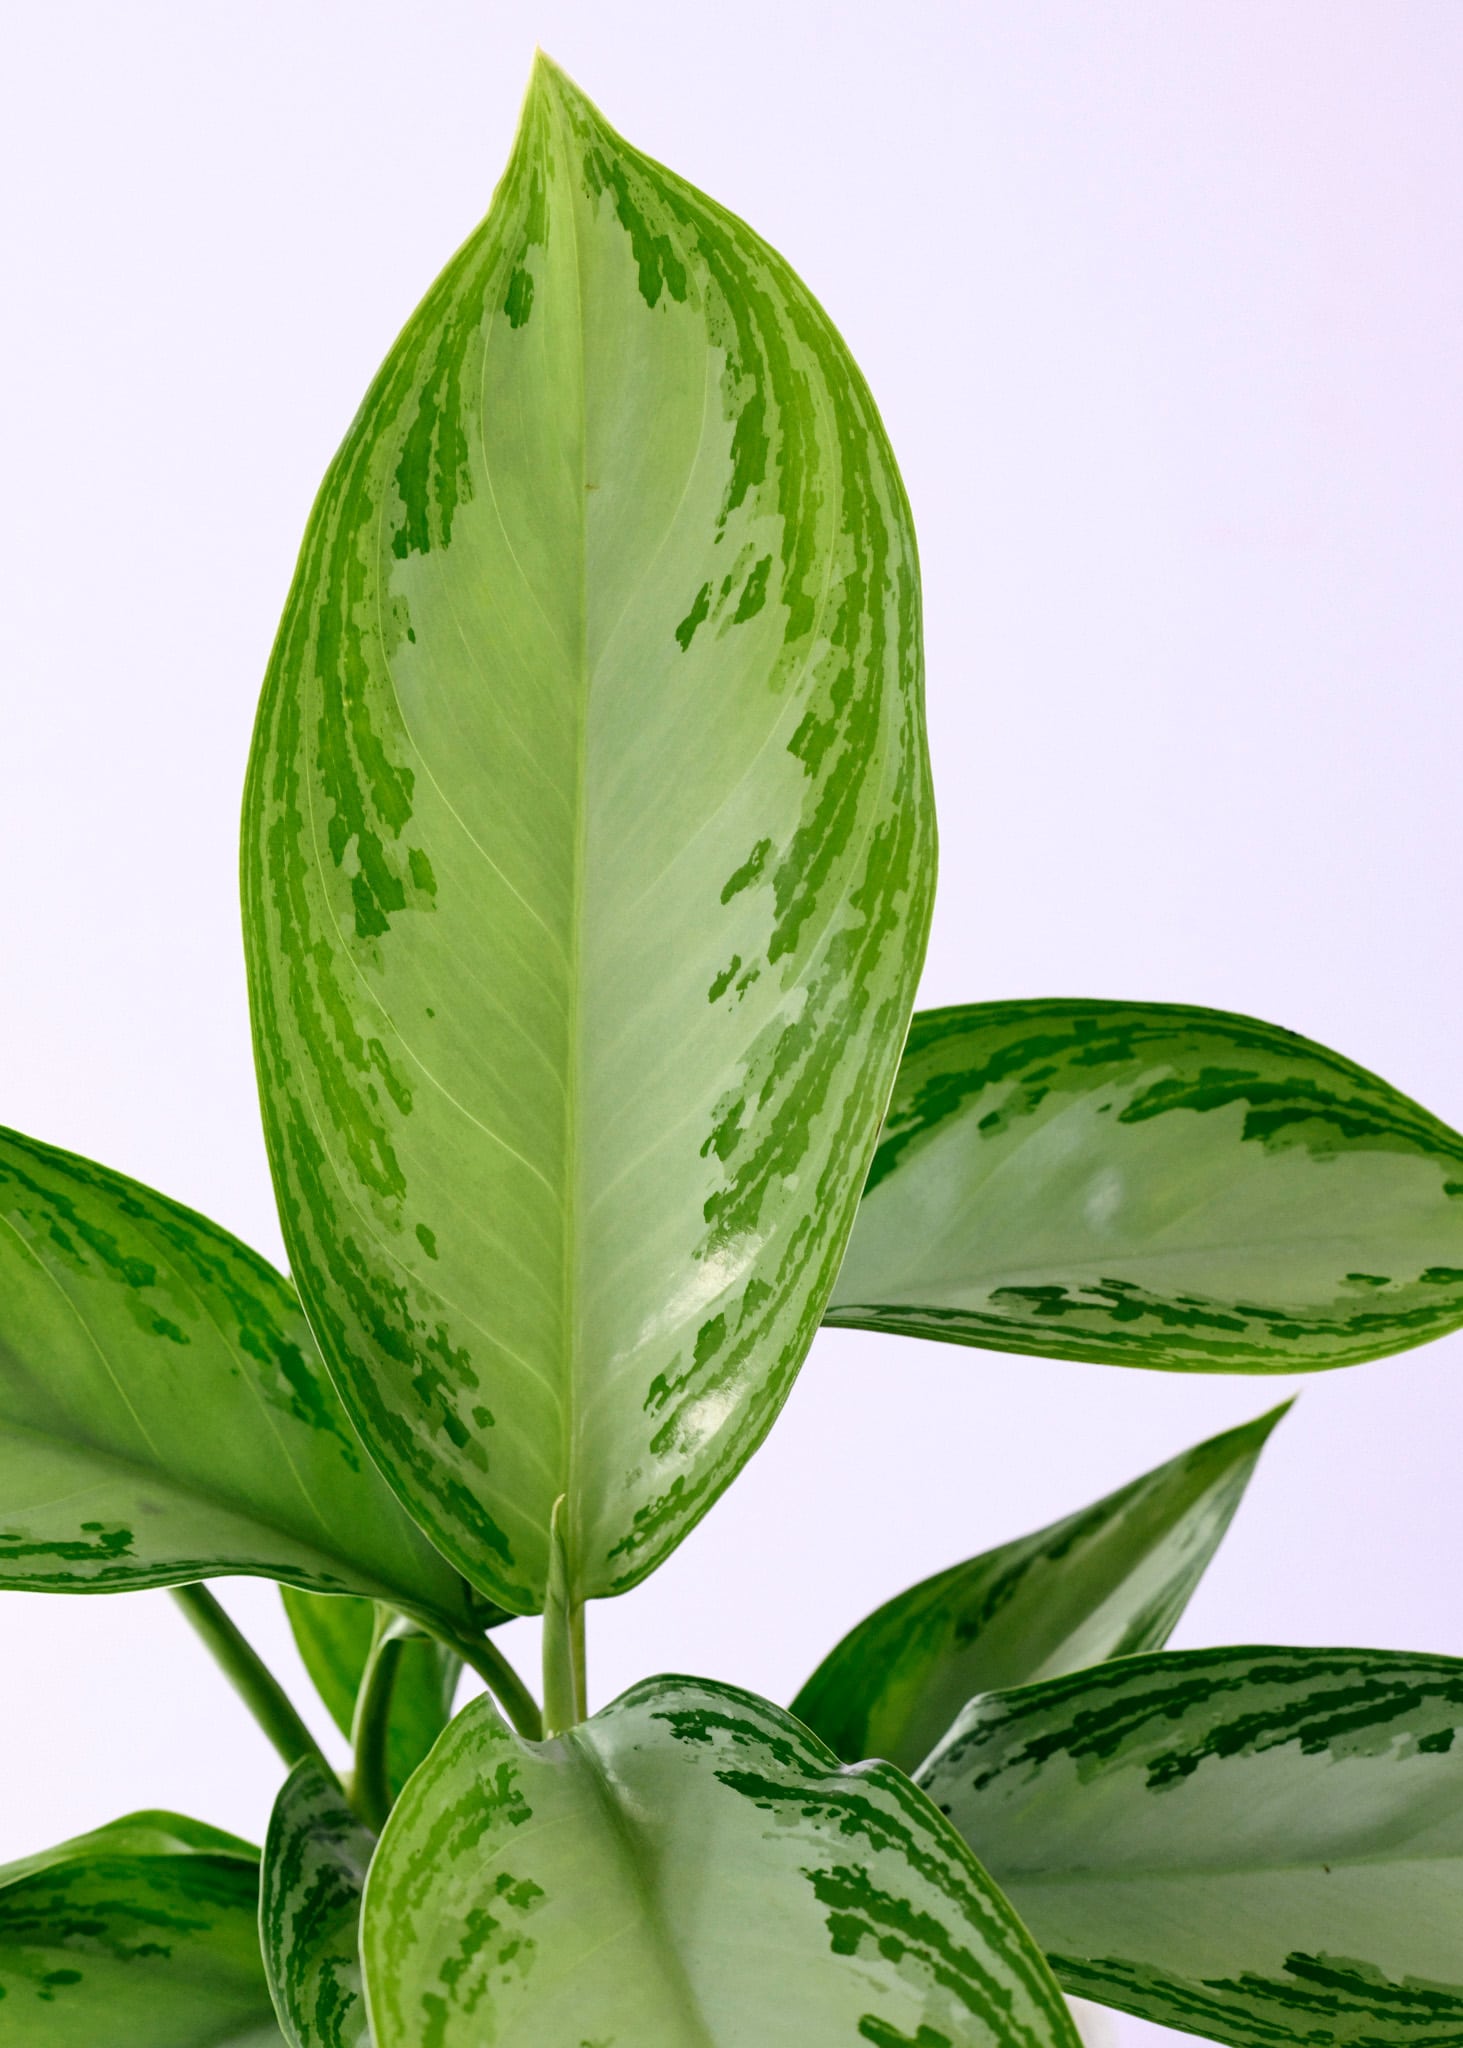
1162 305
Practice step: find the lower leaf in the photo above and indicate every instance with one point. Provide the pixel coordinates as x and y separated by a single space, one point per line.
1264 1846
143 1934
689 1869
316 1856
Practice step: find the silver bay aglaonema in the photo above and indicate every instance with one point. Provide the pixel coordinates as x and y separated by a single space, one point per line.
588 855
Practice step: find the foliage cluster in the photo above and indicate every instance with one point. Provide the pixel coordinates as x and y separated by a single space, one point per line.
588 857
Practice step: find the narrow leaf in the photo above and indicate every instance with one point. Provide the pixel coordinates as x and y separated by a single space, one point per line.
164 1415
316 1856
334 1636
1265 1846
588 853
689 1869
141 1935
1108 1582
1148 1184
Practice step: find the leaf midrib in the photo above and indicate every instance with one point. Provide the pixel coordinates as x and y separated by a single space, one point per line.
1105 1875
570 1277
622 1834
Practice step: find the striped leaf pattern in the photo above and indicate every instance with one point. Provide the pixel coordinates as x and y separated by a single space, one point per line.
1149 1184
689 1869
164 1415
334 1637
1264 1846
316 1856
1109 1581
588 856
144 1934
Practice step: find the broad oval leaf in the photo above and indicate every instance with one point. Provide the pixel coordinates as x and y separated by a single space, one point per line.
1264 1846
689 1869
164 1415
316 1856
334 1634
1110 1581
588 855
144 1934
1149 1184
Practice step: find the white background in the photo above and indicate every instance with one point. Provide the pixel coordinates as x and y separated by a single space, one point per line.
1162 305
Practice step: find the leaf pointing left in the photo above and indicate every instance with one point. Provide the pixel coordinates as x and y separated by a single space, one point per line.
143 1934
164 1415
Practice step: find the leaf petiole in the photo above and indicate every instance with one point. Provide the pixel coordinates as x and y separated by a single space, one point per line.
508 1689
249 1675
564 1663
370 1789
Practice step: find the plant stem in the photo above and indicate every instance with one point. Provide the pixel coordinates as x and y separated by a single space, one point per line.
249 1675
371 1782
512 1695
564 1689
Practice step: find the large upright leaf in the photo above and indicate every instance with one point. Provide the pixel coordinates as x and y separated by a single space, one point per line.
316 1856
1109 1581
334 1636
1147 1184
1265 1846
143 1934
588 855
164 1415
690 1869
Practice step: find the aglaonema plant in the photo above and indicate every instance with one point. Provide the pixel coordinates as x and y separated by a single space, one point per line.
588 856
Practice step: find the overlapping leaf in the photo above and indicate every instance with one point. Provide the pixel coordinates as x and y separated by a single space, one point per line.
1264 1846
1108 1582
143 1934
1147 1184
164 1415
690 1869
334 1636
588 857
316 1856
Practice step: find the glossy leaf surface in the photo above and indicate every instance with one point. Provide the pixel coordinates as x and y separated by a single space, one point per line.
140 1935
689 1869
1265 1846
1109 1581
334 1636
1147 1184
588 855
164 1415
316 1856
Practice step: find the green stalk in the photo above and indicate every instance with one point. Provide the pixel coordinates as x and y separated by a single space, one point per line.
564 1682
371 1782
508 1689
250 1676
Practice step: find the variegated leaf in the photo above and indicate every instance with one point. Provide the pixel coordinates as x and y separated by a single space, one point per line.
689 1869
316 1856
334 1637
1109 1581
588 856
144 1934
1265 1846
164 1415
1147 1184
